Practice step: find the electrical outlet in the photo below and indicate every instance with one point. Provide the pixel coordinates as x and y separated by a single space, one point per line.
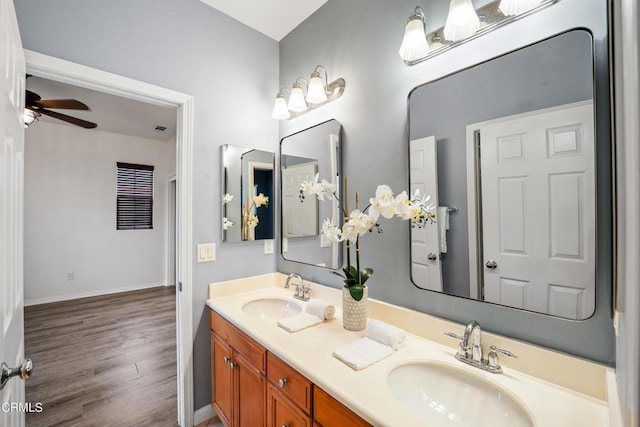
268 246
70 276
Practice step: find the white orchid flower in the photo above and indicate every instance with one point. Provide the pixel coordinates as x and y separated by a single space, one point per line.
253 221
349 232
383 203
324 189
227 198
260 200
330 230
227 223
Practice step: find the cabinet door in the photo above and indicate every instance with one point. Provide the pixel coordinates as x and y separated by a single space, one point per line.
222 379
250 394
280 411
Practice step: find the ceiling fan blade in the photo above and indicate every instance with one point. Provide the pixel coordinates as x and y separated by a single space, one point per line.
69 104
73 120
31 97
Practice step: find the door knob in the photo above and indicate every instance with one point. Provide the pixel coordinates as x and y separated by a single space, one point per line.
432 256
24 371
491 264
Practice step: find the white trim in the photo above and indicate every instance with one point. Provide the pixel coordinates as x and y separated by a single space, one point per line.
79 75
472 196
613 399
203 414
97 293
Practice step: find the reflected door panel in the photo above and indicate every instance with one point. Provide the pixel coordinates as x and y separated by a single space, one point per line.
538 210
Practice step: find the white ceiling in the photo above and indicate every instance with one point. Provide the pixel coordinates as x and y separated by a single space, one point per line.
112 113
274 18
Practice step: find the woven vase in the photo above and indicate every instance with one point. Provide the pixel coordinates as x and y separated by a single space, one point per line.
354 313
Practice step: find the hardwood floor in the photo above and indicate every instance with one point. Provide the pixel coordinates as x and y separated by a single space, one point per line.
104 361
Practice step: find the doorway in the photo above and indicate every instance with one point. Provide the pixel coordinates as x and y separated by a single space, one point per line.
63 71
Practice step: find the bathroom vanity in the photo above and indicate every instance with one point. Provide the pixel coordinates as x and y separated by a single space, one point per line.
263 375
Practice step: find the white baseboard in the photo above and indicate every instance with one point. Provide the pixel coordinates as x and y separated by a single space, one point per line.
203 414
67 297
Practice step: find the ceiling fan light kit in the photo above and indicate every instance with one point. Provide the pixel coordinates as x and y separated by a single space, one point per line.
35 106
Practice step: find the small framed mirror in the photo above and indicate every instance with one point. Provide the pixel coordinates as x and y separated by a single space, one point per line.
247 194
303 156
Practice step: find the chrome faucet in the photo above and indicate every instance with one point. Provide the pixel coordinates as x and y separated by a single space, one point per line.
303 293
471 349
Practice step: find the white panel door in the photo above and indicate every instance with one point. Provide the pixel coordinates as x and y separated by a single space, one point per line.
11 211
298 218
426 269
538 211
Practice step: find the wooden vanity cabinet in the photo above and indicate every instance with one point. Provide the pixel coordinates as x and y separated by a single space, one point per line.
251 387
238 376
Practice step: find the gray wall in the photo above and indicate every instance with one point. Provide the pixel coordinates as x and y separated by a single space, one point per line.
184 45
359 40
555 72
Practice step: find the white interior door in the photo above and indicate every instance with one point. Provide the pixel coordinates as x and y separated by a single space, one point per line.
538 211
12 89
426 269
299 219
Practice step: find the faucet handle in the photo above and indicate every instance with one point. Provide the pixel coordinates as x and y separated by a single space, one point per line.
492 358
463 348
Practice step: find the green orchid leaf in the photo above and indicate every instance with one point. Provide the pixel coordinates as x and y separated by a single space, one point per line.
337 274
357 292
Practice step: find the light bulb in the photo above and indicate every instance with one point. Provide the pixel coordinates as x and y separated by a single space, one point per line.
30 117
462 20
316 93
414 43
296 100
516 7
280 110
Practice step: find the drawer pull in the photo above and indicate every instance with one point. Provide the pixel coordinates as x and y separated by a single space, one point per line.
284 425
232 365
282 382
226 359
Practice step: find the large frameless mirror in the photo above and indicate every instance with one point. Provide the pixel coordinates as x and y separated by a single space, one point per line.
506 149
247 193
303 155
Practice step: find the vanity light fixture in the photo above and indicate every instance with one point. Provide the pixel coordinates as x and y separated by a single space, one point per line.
414 43
297 102
318 93
462 20
464 23
280 109
30 117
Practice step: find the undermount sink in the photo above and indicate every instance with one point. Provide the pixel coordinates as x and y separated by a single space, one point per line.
272 308
443 395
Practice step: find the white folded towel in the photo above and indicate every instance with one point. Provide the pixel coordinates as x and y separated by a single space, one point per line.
321 308
381 340
317 311
362 353
386 334
442 219
299 322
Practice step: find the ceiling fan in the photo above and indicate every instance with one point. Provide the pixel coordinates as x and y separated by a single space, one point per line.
36 106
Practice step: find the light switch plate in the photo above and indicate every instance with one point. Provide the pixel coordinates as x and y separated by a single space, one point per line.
206 252
268 246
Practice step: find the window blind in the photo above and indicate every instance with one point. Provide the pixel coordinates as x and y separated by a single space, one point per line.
134 195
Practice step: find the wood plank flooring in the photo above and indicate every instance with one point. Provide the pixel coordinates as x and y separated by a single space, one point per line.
104 361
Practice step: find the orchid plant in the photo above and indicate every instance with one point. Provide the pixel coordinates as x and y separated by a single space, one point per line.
417 209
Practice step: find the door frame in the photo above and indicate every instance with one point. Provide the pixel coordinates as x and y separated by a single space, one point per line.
474 204
59 70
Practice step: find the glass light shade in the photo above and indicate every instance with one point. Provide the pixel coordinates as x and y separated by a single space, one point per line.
280 110
516 7
296 100
462 20
29 117
414 43
316 93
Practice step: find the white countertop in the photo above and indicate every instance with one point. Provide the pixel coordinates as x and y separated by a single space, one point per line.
366 392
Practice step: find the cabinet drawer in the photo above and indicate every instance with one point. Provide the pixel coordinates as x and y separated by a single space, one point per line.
282 413
251 350
293 385
328 412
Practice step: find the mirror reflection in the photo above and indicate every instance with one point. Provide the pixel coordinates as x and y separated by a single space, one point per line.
304 155
247 193
506 149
